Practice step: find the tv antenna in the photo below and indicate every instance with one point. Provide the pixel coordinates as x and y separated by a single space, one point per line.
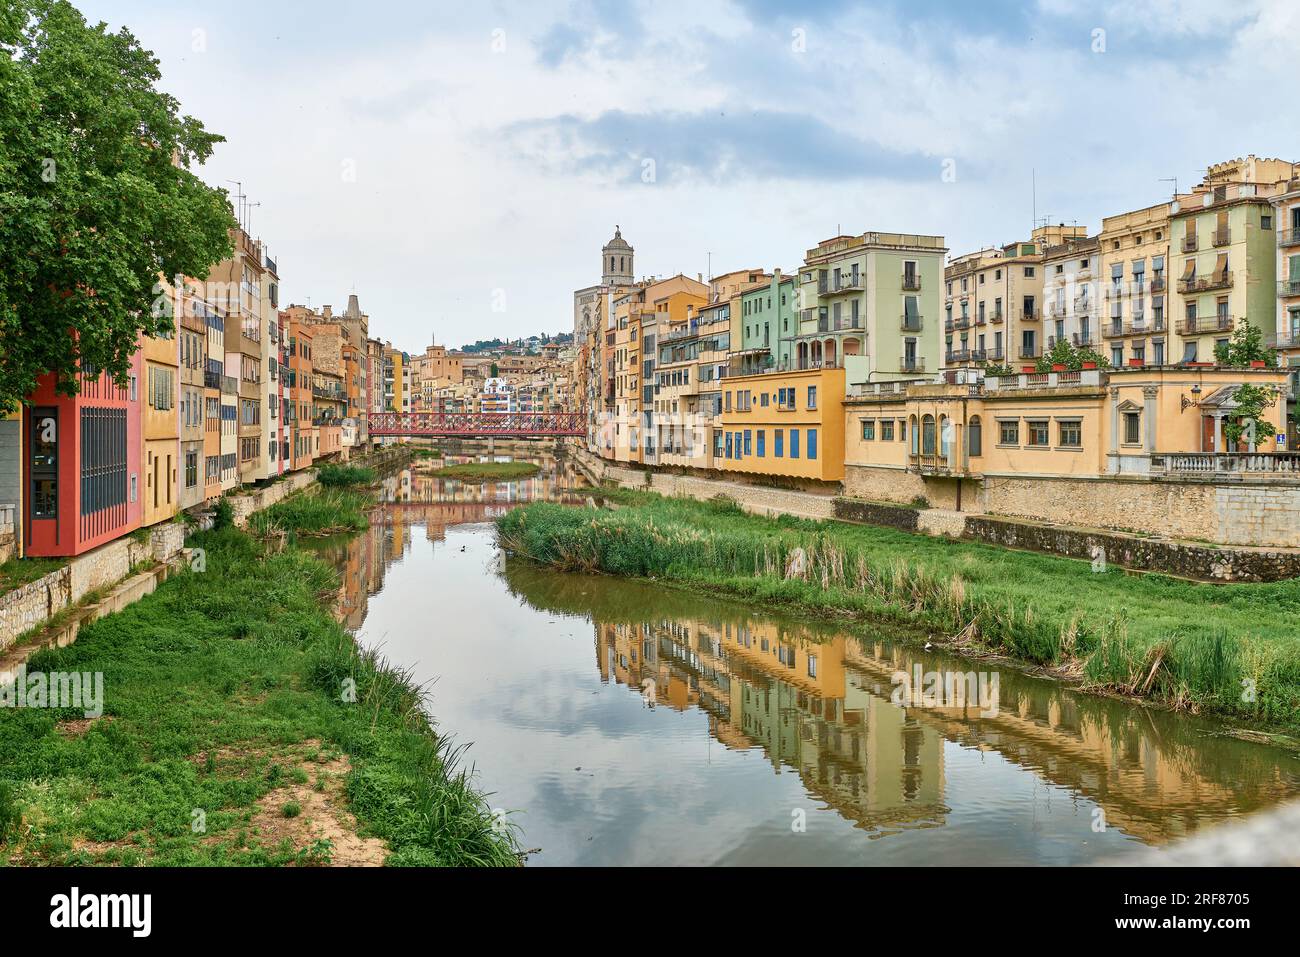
1171 179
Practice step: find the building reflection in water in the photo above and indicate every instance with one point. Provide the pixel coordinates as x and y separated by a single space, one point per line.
818 702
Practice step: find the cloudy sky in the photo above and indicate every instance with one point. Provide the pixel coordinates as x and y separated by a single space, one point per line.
459 165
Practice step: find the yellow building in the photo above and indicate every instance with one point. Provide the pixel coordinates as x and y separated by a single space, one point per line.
783 424
954 444
160 434
1134 250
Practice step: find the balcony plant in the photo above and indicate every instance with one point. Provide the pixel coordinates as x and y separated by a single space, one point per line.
1245 348
1065 353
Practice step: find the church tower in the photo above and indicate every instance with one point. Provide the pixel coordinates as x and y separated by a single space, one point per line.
616 262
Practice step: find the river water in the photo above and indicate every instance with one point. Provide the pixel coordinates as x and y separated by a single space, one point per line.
622 722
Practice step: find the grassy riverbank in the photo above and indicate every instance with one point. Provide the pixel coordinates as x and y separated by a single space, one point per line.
315 512
1185 644
488 471
242 725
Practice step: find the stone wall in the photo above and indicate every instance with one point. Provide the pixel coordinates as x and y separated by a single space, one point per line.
1181 558
1185 559
903 487
1252 513
877 513
757 499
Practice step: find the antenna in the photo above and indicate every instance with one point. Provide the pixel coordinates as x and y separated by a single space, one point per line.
1171 179
1033 189
239 195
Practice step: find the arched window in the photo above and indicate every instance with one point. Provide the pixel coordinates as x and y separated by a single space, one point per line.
945 436
914 435
975 437
927 435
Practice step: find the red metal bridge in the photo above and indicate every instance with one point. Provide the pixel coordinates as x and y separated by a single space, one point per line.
508 425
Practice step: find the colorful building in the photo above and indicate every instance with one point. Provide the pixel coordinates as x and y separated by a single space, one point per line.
786 424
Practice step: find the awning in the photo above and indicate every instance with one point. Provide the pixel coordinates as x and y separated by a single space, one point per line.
1189 269
1221 265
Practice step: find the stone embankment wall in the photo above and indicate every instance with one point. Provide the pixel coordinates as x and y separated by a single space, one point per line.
1255 512
1141 552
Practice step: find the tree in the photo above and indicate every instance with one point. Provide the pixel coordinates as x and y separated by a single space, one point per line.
97 198
1248 420
1246 345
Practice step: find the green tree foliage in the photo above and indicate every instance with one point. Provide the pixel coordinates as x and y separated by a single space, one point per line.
97 197
1246 345
1064 353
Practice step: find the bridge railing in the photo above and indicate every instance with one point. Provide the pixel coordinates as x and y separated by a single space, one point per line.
485 424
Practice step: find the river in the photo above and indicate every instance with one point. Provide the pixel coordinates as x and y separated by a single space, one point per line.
621 722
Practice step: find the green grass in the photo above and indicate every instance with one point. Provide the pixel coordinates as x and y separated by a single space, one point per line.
314 511
242 659
1188 645
345 476
488 471
23 571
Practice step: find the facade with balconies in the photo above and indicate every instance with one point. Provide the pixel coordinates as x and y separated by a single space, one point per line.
1225 233
869 304
1134 286
993 300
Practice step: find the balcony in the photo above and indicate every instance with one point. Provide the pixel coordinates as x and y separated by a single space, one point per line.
1288 237
1057 310
996 354
911 365
1222 280
1227 463
1157 283
911 282
962 322
1118 330
1029 352
1189 243
1289 287
1221 237
910 323
956 355
1084 340
1200 325
848 283
948 325
1086 378
1030 316
930 463
996 318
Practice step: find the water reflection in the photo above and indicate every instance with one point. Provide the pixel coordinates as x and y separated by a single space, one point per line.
632 723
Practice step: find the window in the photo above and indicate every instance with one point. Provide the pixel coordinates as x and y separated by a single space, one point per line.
974 436
1071 434
1009 432
749 437
794 443
928 443
1132 428
1037 433
45 462
762 443
812 397
812 443
778 436
191 469
886 430
868 430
